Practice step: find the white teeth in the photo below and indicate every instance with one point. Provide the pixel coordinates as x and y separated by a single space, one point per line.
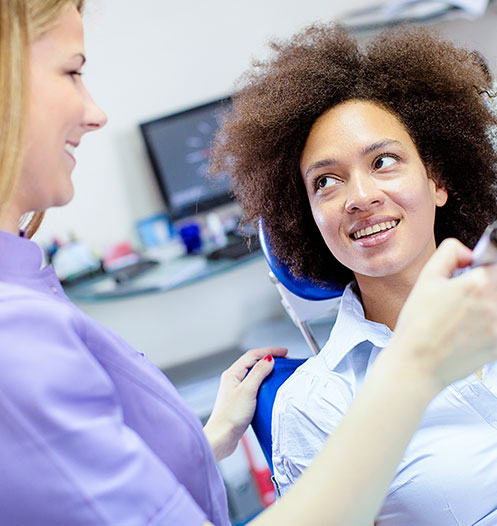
69 148
379 227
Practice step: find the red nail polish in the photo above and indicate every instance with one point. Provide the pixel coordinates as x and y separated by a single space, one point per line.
268 358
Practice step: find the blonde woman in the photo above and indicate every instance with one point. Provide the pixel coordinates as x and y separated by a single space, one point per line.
92 433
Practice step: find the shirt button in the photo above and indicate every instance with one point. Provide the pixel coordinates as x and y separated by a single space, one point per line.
54 289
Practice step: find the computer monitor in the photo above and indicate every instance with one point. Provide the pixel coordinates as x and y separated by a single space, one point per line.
178 146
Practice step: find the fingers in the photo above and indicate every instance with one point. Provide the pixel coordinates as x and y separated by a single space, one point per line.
450 255
257 374
240 368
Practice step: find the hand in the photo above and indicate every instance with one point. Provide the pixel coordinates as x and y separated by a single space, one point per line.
236 399
450 324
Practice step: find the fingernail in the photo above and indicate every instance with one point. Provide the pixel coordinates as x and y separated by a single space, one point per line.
268 358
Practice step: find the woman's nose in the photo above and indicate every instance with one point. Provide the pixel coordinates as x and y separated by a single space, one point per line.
363 193
95 118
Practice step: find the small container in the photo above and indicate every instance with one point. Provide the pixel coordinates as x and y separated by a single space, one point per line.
155 231
191 236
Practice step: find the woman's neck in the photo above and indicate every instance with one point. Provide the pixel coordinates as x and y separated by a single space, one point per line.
384 296
383 299
9 220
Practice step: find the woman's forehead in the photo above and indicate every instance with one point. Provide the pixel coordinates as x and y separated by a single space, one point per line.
355 123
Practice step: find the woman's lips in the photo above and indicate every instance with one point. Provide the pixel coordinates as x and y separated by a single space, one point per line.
370 238
374 228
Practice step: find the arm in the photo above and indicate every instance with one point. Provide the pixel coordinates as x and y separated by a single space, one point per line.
348 479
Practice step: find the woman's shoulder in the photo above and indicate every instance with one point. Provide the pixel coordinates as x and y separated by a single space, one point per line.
39 327
314 387
20 301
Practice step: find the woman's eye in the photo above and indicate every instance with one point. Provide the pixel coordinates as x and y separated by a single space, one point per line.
74 74
325 182
384 161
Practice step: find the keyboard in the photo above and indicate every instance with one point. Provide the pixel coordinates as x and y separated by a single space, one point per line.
237 247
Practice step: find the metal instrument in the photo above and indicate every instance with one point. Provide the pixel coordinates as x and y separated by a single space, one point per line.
485 251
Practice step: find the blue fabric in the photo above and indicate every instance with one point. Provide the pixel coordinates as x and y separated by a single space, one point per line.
261 423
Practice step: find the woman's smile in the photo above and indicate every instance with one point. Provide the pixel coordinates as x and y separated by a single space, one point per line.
372 227
70 148
376 235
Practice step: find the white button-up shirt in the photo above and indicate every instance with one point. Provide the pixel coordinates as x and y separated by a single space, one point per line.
448 475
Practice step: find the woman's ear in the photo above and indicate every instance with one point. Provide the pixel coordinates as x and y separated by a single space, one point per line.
441 194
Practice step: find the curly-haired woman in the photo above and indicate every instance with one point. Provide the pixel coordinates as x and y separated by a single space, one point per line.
360 161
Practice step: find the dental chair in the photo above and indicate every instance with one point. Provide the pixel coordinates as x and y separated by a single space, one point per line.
303 301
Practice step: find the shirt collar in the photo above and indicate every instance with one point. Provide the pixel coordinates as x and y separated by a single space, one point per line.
19 255
352 328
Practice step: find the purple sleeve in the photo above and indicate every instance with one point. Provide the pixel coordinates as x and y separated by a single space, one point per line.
66 455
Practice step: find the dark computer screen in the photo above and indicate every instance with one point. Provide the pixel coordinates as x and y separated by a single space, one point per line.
178 146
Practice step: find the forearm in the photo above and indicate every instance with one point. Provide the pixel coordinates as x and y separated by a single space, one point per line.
348 480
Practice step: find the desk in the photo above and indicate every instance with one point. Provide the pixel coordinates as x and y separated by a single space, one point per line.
173 323
167 275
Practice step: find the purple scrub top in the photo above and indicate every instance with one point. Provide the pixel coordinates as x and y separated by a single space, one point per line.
90 431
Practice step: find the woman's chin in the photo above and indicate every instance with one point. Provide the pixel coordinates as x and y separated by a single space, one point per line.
377 273
64 198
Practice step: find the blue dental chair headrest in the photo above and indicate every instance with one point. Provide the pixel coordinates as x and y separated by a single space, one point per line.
302 287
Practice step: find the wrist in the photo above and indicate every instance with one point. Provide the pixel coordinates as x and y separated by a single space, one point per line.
221 438
412 372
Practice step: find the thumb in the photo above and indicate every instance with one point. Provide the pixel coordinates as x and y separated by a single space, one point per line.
450 256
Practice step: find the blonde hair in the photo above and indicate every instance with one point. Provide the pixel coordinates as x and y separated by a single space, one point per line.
21 22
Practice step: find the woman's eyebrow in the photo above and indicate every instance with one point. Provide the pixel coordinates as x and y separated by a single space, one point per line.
379 145
320 164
